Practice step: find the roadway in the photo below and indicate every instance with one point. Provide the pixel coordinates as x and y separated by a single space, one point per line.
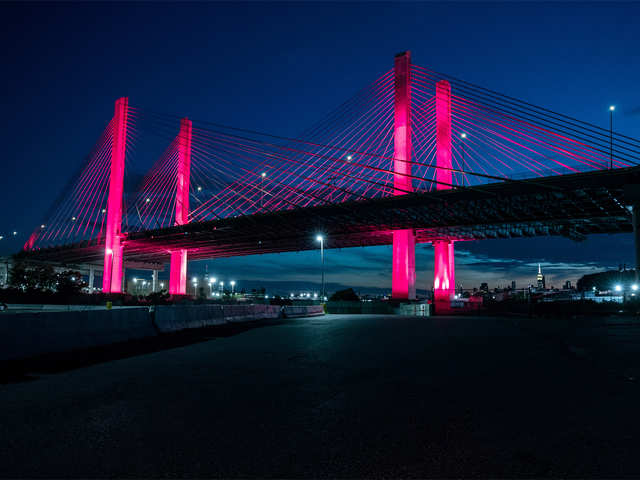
339 396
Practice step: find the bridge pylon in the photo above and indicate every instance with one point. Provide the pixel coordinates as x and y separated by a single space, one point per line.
178 268
444 260
404 241
112 274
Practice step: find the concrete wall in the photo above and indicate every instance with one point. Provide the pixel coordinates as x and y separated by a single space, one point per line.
292 311
28 334
31 333
172 318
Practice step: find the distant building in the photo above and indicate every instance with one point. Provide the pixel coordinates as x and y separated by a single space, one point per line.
567 285
540 279
513 284
484 287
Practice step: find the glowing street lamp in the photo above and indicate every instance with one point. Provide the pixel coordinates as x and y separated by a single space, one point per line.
233 284
618 288
463 136
611 109
262 177
320 239
634 287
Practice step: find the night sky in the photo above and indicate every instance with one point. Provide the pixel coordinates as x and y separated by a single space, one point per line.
280 67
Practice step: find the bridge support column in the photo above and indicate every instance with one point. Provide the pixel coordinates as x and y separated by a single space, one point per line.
92 275
444 263
112 275
154 281
404 250
178 268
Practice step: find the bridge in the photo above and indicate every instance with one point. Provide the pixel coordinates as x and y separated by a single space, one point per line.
417 156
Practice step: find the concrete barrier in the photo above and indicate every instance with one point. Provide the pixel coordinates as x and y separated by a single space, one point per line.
29 334
173 318
294 311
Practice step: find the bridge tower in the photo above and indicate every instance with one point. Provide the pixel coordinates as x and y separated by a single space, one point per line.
404 241
444 278
112 273
178 269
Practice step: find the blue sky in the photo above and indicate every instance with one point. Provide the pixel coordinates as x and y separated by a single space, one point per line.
278 67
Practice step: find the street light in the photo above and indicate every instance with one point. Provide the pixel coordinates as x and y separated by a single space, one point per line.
611 109
212 282
262 175
320 239
233 284
618 288
222 287
463 136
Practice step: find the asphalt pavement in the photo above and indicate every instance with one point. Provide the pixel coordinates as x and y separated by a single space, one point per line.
337 396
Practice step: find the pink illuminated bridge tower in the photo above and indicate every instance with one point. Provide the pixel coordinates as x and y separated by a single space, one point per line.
404 267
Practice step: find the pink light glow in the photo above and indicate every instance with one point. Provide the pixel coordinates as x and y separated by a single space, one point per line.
403 284
178 269
112 274
444 282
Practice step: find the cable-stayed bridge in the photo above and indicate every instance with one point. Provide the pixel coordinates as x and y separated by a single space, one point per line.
417 156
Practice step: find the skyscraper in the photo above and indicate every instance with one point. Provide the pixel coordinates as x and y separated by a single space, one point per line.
540 278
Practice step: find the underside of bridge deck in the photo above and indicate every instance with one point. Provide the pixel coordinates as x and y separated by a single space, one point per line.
569 205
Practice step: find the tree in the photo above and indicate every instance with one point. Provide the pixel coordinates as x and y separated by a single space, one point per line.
18 275
70 283
347 295
45 277
33 278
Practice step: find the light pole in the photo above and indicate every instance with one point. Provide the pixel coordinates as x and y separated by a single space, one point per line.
212 282
194 280
611 109
233 284
320 239
222 288
463 136
264 174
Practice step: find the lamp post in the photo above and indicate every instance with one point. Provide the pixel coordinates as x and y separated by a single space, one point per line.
320 239
463 136
611 109
233 284
262 176
194 280
212 282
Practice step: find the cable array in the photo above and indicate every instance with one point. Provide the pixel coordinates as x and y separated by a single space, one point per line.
347 156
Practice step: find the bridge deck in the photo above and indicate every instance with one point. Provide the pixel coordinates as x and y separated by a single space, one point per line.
570 205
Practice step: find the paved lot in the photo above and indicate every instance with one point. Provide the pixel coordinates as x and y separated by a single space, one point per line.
339 396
